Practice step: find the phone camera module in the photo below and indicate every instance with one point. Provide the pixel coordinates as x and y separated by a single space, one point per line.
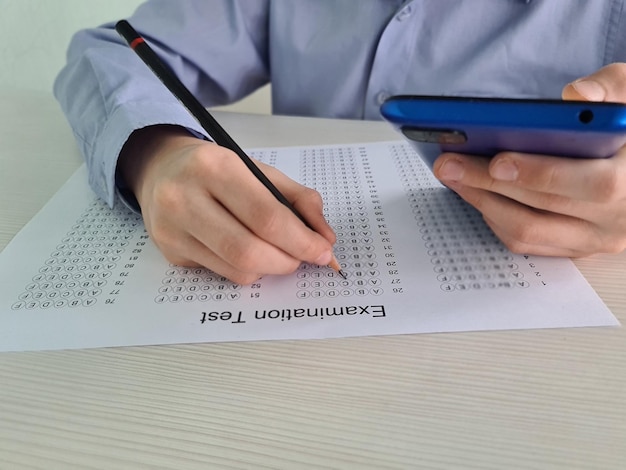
435 136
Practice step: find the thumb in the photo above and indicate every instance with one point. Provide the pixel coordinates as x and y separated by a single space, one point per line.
607 84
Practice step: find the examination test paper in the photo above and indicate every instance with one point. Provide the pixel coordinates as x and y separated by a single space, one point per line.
417 258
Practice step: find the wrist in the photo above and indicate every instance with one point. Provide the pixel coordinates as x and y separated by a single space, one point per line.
142 148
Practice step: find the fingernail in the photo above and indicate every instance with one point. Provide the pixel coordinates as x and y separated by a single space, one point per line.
324 258
505 170
590 89
452 170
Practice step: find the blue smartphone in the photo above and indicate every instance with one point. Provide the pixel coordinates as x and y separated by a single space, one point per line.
486 126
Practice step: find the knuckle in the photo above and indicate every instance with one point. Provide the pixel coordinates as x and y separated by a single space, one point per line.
614 248
515 246
161 236
308 252
286 267
197 161
508 239
214 161
614 245
242 278
208 161
241 256
269 223
618 71
311 197
308 199
550 176
180 261
522 235
607 184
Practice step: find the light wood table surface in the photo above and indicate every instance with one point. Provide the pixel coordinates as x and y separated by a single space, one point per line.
538 399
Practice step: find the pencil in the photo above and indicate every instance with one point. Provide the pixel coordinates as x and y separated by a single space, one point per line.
200 113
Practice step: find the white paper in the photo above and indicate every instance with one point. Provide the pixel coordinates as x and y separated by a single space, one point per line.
418 260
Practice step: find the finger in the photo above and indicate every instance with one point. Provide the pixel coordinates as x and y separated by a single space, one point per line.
181 248
607 84
545 182
234 243
194 253
306 201
525 242
526 230
590 180
469 170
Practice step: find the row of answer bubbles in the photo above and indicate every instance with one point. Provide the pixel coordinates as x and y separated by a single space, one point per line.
78 269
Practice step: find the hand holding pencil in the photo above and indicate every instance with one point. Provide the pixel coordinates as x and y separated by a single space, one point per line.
211 205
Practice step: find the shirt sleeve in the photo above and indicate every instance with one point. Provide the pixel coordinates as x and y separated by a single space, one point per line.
218 48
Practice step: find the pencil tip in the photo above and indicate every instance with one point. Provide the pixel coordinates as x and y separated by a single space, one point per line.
342 274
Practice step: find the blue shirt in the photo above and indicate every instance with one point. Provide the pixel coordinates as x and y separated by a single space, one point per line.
333 58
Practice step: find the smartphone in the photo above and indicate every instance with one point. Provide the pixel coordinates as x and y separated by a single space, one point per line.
486 126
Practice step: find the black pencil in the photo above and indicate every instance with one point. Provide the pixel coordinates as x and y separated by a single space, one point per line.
208 122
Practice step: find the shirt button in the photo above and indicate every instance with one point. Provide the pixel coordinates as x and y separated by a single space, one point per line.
381 96
404 13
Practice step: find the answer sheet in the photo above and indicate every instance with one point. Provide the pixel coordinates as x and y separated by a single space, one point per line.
418 260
